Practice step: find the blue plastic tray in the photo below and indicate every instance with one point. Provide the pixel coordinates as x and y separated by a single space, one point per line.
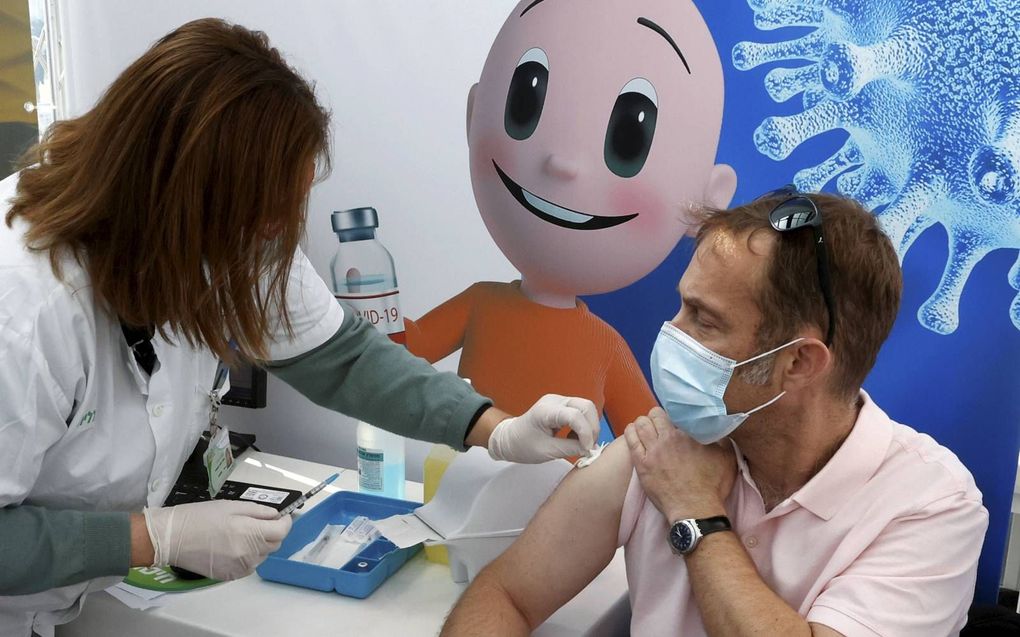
363 574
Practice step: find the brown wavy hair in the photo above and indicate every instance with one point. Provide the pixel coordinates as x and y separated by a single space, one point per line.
867 282
183 191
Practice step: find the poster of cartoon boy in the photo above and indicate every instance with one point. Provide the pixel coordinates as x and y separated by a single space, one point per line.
591 134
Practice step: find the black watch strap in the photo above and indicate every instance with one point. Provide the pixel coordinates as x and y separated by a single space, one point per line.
711 525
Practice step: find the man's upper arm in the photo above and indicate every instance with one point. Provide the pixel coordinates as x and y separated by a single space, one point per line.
917 577
818 630
569 541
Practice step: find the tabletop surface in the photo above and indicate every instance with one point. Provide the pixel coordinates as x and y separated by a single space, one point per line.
414 601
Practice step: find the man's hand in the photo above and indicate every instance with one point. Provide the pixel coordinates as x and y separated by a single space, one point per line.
531 438
681 477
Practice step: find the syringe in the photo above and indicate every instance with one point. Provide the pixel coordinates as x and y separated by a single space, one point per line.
293 506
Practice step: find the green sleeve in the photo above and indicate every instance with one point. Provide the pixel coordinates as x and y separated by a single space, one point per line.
362 373
42 548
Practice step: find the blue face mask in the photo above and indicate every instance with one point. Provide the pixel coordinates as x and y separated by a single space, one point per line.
690 380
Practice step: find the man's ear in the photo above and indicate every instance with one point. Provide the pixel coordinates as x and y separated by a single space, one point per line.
811 359
470 106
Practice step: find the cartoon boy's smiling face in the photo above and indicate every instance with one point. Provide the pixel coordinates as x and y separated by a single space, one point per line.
592 130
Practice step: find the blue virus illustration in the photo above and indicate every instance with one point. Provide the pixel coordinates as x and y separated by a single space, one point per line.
928 92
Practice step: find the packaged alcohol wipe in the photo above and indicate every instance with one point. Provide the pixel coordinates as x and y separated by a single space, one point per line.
338 544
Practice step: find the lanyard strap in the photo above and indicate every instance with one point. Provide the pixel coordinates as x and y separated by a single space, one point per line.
139 340
214 396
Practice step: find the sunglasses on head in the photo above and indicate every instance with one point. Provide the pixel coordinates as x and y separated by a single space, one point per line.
796 210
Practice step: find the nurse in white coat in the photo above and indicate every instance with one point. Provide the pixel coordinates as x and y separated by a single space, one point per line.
139 239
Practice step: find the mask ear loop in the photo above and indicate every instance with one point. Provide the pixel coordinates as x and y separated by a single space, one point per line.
760 407
768 353
760 356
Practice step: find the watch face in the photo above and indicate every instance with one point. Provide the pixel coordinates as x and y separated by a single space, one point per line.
681 537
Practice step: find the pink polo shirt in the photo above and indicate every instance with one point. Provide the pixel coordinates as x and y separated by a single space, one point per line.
884 540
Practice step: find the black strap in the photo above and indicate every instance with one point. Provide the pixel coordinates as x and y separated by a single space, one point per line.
139 339
711 525
474 420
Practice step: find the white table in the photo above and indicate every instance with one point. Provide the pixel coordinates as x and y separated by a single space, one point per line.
414 601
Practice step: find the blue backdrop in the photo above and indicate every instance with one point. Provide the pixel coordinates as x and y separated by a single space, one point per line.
912 107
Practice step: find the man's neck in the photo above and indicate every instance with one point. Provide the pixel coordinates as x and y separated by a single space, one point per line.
789 446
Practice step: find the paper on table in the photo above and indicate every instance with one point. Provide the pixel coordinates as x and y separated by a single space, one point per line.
138 591
406 530
136 598
477 498
338 544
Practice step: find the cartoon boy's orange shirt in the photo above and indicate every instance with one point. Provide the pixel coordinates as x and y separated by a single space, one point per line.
516 350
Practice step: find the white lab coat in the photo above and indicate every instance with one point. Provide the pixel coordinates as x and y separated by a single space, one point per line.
81 426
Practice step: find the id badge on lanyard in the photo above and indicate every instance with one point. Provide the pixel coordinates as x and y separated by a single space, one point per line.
218 457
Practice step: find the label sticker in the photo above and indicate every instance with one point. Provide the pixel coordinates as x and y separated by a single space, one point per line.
382 310
370 468
267 496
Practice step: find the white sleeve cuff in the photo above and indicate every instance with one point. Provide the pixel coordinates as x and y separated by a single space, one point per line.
315 314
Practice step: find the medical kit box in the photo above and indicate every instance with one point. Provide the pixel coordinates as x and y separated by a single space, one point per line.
361 575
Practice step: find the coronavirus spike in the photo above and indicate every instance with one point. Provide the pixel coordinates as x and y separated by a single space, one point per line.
816 177
941 311
904 219
870 186
748 55
776 137
782 84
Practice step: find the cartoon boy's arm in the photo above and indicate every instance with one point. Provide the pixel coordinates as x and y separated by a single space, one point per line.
441 332
628 395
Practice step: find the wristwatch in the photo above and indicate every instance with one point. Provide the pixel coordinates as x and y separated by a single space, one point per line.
685 535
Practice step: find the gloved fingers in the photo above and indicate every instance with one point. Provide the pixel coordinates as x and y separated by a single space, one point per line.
271 547
551 399
569 416
563 447
248 509
586 407
273 531
591 414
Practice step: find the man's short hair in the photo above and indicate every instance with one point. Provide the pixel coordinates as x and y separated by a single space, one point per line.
864 270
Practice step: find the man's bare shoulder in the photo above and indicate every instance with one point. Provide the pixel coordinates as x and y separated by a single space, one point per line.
599 488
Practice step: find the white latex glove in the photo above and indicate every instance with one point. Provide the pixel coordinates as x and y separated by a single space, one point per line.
222 539
531 438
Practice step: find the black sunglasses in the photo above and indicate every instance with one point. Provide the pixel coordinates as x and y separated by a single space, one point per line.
798 211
